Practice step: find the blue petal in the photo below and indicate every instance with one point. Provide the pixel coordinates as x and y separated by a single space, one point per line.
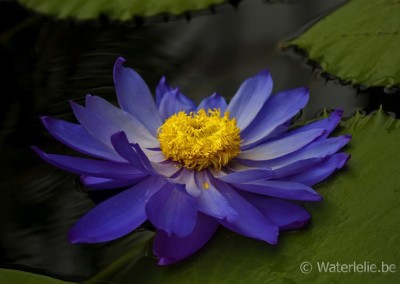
279 131
281 146
170 249
135 97
281 189
320 171
122 121
136 156
250 98
155 156
166 168
328 124
76 137
161 88
172 211
215 101
186 179
286 215
97 183
308 156
210 201
247 175
296 167
276 172
131 152
82 166
207 198
117 216
276 111
251 222
95 124
173 102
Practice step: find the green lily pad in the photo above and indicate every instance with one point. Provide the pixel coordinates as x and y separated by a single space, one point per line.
358 43
8 276
121 267
118 9
358 222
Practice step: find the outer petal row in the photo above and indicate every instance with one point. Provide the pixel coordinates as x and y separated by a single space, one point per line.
122 121
117 216
281 146
280 189
251 222
285 215
79 139
96 168
249 99
171 249
135 97
301 159
276 111
172 211
97 183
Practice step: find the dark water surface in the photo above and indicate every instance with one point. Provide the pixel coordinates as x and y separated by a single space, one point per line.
44 63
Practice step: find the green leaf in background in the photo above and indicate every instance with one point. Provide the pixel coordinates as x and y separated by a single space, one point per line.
359 43
117 9
122 266
358 221
8 276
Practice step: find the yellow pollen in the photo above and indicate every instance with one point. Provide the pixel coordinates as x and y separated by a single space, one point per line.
200 140
206 185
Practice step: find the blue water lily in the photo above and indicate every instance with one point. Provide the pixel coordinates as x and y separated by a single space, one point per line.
189 169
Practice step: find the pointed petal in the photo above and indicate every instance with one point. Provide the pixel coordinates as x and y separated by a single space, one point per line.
82 166
211 202
135 97
250 98
281 146
173 102
96 125
276 111
171 249
117 216
76 137
328 124
161 88
131 152
247 175
251 222
296 167
321 171
138 158
278 172
97 183
214 101
281 189
172 211
122 121
306 157
286 215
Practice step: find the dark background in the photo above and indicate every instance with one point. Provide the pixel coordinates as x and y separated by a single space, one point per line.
45 62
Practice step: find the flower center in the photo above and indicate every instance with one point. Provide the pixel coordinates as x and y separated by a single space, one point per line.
200 140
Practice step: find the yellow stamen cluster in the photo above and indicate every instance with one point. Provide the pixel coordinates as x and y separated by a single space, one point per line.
200 140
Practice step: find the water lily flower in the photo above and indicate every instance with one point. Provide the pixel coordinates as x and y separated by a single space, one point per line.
189 169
